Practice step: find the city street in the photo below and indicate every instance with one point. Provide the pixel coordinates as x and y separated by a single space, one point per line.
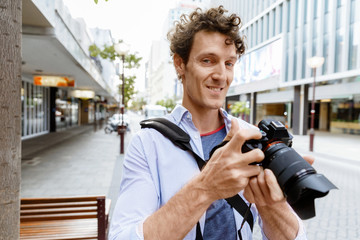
89 163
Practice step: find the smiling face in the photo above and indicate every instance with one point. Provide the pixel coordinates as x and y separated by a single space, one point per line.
208 73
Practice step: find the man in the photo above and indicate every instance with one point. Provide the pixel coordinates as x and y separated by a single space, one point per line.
163 194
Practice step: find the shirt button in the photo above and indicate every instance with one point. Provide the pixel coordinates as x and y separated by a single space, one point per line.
196 137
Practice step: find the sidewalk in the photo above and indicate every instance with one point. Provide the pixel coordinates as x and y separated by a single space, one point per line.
344 147
74 162
80 161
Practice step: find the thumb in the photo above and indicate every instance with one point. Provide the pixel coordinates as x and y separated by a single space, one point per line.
234 129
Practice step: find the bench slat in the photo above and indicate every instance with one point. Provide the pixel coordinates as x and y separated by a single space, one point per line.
65 229
25 206
64 218
60 199
57 211
48 217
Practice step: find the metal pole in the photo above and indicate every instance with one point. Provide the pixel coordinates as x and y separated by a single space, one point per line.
123 91
122 127
312 131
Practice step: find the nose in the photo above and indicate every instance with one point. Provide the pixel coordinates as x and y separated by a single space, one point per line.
220 72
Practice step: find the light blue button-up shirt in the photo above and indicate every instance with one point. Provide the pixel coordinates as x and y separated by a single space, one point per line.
154 170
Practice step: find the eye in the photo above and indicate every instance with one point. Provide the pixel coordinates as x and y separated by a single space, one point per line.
229 64
206 60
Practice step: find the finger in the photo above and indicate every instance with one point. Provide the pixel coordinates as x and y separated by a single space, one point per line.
255 155
239 138
258 194
309 159
274 187
234 129
248 194
248 171
263 185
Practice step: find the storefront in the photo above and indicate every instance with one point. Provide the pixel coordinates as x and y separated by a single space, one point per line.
345 115
47 109
35 110
67 110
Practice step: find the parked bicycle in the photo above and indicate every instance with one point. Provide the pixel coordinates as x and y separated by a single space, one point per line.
115 121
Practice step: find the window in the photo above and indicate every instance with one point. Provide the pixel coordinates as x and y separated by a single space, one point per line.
34 106
325 53
354 37
339 49
281 17
303 69
354 45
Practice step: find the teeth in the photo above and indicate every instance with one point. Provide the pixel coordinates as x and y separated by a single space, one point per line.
215 89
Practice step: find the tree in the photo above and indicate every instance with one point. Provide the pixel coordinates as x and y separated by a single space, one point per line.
96 1
10 118
131 61
240 109
168 103
137 104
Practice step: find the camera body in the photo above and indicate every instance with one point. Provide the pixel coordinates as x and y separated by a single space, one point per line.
299 181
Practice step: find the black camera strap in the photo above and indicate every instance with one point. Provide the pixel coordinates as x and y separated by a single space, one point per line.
182 140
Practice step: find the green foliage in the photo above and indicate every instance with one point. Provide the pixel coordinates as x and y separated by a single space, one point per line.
96 1
129 90
168 103
239 108
137 104
131 61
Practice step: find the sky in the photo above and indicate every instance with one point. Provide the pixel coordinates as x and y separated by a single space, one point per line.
137 22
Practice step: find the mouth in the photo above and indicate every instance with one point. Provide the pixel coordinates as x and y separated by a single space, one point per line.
215 89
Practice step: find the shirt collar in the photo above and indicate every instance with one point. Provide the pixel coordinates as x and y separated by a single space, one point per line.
180 112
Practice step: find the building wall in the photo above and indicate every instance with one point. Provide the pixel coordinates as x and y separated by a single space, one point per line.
162 79
306 28
48 109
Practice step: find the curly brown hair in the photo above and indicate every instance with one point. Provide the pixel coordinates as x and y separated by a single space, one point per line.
213 20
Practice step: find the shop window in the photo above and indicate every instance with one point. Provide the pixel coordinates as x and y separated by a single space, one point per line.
345 115
34 109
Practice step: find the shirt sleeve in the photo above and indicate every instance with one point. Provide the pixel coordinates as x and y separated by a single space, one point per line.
301 235
138 197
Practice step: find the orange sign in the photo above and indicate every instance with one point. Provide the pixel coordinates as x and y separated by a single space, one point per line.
54 81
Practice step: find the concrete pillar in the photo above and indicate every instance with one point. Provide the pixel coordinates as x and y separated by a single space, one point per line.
305 112
300 110
323 116
52 116
253 108
84 112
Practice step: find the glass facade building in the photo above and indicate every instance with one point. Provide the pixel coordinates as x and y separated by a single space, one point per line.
292 31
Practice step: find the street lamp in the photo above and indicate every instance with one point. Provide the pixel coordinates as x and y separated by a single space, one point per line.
122 49
313 62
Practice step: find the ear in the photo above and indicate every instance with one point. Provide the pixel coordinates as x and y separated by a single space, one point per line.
179 65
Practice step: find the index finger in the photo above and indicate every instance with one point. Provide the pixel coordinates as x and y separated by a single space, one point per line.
234 128
240 136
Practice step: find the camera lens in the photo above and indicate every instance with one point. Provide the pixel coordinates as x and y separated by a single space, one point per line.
299 181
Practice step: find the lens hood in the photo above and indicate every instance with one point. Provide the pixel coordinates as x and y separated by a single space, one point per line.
302 194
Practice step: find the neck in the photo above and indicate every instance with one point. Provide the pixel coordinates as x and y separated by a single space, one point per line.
206 120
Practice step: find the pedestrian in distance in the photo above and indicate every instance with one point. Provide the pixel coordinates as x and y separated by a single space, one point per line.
163 194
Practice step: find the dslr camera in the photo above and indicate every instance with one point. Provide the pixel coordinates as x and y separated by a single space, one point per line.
299 181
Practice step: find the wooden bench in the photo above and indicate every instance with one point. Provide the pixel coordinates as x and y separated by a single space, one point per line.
64 218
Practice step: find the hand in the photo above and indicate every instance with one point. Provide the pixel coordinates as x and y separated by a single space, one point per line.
309 159
264 190
228 171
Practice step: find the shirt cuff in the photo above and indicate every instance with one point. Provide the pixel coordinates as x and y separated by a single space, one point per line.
301 235
140 229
